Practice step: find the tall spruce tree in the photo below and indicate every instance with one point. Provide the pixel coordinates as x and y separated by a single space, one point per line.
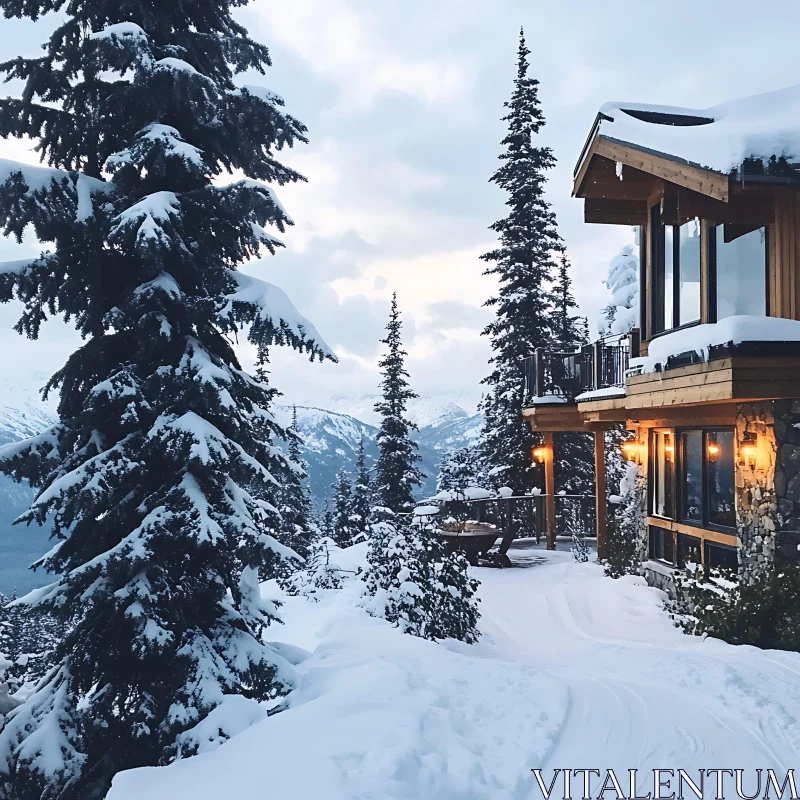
161 475
298 529
573 465
362 495
344 530
569 330
523 265
396 470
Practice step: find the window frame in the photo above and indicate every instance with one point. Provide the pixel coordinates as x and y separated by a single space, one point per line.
713 282
652 472
703 523
657 244
677 465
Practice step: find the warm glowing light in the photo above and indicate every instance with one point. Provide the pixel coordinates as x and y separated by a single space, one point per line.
713 450
668 447
631 449
539 454
749 449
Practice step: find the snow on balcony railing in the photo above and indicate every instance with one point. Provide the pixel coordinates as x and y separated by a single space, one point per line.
559 377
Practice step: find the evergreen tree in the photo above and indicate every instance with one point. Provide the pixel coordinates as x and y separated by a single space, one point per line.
343 530
362 496
523 266
573 467
569 330
396 470
319 573
161 475
415 584
298 529
459 469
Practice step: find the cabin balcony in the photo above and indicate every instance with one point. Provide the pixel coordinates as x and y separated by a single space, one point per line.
556 382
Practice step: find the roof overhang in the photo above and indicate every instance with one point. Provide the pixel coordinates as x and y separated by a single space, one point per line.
658 165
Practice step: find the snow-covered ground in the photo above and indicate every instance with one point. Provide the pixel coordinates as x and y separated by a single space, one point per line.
574 670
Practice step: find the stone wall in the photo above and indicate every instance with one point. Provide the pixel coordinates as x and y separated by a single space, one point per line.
761 487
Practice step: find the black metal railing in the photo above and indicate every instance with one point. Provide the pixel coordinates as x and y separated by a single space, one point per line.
565 375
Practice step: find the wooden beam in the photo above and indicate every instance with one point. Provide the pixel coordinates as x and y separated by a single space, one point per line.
703 181
550 492
600 492
615 212
690 530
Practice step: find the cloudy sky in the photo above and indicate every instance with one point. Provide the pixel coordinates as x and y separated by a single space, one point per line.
403 101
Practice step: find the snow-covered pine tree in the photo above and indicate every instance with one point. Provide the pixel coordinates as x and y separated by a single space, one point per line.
161 475
318 574
343 530
459 469
396 470
415 584
362 496
573 464
569 330
524 267
297 528
621 313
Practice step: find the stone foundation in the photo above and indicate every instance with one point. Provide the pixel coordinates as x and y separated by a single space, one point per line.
761 484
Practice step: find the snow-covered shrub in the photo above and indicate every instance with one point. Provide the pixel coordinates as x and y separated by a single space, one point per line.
415 584
318 575
624 546
580 550
7 703
764 613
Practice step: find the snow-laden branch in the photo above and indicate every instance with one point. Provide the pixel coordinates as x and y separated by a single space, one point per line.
269 306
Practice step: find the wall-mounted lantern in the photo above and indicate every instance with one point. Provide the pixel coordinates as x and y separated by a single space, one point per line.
748 449
632 450
713 448
539 453
669 448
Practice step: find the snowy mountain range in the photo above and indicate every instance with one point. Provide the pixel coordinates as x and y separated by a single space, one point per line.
332 436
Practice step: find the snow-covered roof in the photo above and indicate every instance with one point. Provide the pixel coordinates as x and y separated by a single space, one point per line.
701 338
719 138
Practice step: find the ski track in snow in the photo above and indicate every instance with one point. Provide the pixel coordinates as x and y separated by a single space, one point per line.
574 670
641 694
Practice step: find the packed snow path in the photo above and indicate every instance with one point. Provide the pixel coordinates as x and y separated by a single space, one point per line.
574 670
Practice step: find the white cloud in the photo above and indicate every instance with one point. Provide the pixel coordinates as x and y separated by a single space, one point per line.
345 46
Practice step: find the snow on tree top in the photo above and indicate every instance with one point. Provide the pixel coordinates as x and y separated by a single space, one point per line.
177 64
118 29
720 137
147 216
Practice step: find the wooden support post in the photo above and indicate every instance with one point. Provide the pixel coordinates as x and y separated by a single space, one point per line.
600 492
550 492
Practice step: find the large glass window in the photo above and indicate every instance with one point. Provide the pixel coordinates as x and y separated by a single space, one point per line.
663 481
689 273
676 272
668 285
741 270
721 508
692 475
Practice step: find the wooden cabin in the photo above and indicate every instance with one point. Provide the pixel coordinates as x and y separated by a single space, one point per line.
709 385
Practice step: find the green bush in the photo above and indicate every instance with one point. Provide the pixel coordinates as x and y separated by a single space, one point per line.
764 613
